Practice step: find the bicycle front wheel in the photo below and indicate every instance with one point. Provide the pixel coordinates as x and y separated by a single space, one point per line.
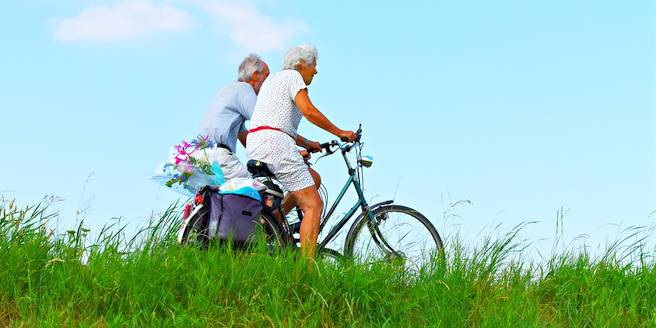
398 234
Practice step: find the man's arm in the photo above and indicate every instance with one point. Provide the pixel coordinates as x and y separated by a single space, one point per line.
242 137
247 100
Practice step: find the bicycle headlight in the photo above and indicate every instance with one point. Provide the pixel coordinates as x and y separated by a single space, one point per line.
366 161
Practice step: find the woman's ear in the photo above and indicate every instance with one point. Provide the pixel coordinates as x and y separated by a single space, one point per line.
301 65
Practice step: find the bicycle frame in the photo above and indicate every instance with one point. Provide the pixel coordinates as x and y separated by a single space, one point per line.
360 203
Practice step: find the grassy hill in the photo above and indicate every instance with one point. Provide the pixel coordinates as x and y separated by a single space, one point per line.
148 281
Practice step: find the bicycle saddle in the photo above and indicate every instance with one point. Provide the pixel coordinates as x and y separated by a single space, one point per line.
258 169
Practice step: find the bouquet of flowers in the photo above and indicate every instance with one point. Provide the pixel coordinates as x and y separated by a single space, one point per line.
187 170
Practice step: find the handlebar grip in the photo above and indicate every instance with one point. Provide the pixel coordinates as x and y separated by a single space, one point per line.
343 139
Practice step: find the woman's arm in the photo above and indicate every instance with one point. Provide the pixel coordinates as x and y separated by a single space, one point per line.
312 114
311 146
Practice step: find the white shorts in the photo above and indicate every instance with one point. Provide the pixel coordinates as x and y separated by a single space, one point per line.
231 166
278 151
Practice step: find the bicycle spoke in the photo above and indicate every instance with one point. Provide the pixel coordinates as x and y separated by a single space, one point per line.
398 235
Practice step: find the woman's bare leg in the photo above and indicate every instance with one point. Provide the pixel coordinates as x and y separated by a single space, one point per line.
290 202
310 203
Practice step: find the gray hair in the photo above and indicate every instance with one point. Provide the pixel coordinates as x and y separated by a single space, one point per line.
305 52
251 64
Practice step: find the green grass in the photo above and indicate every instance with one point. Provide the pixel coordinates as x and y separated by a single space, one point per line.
149 281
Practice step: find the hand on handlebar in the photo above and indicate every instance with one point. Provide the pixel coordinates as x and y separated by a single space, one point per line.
345 136
348 136
313 146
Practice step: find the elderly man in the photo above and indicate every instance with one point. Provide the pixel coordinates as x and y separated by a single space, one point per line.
281 104
224 120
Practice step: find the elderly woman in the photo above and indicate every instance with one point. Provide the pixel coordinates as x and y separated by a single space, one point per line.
282 102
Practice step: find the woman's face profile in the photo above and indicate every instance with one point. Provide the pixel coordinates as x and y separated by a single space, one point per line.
307 71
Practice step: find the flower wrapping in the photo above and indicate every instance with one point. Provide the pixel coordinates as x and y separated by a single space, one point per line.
186 170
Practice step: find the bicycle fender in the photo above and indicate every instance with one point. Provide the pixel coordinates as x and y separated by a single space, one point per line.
377 205
183 227
371 208
361 216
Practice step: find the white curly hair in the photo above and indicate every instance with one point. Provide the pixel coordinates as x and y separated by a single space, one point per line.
251 64
304 52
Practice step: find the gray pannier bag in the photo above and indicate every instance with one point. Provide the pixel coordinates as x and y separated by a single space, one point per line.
232 216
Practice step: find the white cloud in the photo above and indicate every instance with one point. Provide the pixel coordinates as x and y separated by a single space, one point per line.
250 29
127 20
245 25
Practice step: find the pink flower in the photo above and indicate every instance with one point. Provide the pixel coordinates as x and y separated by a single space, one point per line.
185 167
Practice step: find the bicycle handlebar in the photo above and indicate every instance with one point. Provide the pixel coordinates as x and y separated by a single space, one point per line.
328 145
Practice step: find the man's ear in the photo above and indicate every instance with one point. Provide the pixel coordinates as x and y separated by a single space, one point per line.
255 76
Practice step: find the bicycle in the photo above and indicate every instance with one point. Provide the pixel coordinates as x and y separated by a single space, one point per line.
383 239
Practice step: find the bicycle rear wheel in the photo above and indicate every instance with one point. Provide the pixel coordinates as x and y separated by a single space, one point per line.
398 234
267 233
194 231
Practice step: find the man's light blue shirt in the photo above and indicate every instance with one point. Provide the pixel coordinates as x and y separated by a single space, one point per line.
231 108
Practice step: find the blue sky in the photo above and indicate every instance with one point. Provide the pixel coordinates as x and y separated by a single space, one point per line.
520 107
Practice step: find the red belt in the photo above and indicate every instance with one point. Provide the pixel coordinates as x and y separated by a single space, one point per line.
266 127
